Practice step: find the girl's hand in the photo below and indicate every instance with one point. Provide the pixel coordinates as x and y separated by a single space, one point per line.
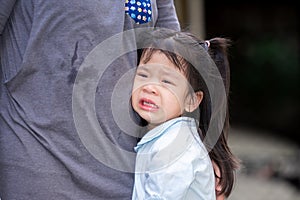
220 197
218 187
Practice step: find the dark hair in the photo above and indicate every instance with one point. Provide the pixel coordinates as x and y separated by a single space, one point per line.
221 153
217 50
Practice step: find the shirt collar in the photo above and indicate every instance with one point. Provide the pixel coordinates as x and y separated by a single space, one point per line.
161 129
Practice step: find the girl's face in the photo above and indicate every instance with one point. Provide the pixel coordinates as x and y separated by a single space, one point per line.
160 90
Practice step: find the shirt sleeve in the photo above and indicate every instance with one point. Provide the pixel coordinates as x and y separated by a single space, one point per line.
185 177
5 10
167 16
180 180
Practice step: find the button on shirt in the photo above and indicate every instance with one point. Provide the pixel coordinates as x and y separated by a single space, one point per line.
172 163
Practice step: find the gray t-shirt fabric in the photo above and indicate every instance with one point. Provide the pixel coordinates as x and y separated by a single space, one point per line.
42 45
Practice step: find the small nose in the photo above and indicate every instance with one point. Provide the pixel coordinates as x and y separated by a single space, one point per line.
150 89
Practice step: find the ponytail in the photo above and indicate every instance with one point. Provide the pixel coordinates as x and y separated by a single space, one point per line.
217 49
221 154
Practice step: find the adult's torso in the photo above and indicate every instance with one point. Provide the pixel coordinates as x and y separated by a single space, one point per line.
42 46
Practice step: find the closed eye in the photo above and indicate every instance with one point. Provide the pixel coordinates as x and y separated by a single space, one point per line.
143 75
167 82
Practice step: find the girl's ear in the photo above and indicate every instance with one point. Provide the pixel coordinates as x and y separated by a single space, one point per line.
193 101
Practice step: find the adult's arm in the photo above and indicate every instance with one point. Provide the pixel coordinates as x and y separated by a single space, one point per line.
167 16
6 7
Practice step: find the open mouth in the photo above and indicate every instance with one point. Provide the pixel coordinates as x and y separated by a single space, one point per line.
147 104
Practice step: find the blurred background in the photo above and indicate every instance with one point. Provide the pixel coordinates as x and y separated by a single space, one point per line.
264 98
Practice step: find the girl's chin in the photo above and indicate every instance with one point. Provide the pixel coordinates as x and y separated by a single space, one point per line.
154 122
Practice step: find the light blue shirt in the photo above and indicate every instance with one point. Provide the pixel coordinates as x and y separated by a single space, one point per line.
172 163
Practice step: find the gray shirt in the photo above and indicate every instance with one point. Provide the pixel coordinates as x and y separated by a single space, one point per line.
42 45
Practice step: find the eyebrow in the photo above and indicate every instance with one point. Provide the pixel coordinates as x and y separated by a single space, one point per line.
176 76
142 67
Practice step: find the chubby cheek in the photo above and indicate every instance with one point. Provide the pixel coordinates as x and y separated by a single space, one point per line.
135 87
134 99
173 106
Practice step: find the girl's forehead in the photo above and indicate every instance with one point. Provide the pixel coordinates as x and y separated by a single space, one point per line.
164 58
156 56
153 66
